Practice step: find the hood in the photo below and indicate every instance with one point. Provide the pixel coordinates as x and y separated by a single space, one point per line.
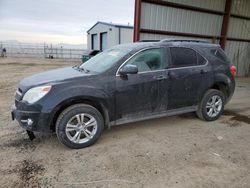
57 75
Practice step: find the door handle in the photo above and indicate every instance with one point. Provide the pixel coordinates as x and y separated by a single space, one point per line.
161 77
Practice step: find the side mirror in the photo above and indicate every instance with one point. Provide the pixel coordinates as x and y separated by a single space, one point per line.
128 69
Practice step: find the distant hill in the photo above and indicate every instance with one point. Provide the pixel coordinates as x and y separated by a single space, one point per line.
63 45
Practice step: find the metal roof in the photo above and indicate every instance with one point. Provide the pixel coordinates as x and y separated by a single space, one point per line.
112 25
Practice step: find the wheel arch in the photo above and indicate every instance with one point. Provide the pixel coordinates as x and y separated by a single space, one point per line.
222 83
223 87
79 100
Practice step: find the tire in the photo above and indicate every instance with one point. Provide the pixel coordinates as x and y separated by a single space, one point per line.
204 111
79 126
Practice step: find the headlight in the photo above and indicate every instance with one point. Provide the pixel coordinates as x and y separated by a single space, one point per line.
36 93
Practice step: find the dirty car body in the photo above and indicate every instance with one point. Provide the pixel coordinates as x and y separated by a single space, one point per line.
137 82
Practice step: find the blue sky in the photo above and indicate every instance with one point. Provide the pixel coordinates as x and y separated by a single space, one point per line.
59 21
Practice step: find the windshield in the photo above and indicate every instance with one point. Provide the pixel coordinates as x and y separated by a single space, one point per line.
103 61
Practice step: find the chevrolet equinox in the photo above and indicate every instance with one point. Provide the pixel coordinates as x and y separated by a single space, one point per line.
124 84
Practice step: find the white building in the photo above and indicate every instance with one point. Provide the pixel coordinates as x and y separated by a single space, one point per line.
103 35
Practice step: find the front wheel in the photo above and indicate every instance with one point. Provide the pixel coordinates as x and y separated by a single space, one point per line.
79 126
211 105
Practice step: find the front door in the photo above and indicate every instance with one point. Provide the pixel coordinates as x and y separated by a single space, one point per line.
140 94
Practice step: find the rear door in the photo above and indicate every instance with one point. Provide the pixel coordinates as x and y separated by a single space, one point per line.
187 73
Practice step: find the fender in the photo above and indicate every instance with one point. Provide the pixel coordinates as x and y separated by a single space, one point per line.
67 93
229 83
222 78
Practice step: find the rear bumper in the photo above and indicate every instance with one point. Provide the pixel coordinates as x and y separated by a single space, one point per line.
31 120
230 91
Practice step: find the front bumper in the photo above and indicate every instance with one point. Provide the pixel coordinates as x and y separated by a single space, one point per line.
31 120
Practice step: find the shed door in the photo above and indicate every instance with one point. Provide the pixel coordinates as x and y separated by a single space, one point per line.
94 41
104 41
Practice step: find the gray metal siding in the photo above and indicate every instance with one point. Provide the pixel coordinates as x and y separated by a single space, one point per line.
239 53
241 7
208 4
239 28
178 20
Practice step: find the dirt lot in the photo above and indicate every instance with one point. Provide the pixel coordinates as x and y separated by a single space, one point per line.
179 151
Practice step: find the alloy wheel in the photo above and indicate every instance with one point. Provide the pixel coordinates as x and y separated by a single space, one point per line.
214 106
81 128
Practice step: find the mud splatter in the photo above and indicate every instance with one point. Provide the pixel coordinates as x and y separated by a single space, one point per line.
21 144
188 116
203 164
237 116
30 174
239 86
233 123
29 170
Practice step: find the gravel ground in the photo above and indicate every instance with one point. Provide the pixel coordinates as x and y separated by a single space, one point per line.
179 151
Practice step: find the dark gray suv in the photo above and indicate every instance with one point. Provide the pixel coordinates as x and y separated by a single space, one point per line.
125 84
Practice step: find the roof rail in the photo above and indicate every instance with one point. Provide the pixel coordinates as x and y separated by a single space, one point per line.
150 40
184 40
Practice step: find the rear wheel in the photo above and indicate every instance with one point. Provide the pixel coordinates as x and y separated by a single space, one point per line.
211 105
79 126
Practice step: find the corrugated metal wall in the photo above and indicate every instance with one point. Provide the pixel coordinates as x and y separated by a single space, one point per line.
166 18
239 52
172 19
209 4
241 7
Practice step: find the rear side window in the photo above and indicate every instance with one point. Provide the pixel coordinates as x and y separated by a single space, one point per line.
183 57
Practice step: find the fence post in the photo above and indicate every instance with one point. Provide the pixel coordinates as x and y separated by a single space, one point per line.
44 51
61 52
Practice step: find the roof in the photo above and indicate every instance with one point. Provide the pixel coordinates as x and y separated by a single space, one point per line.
112 25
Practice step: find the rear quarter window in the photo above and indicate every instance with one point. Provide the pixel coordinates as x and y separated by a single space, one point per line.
220 54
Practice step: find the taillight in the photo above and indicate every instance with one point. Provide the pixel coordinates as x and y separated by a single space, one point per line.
233 70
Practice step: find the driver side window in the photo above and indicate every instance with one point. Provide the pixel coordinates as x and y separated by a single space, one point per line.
149 60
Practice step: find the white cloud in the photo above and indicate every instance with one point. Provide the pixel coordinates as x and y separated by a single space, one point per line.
59 20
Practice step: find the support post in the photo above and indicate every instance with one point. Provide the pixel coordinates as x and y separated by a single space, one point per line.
225 23
137 20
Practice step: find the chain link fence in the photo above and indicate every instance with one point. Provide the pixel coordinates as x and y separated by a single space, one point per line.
40 51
